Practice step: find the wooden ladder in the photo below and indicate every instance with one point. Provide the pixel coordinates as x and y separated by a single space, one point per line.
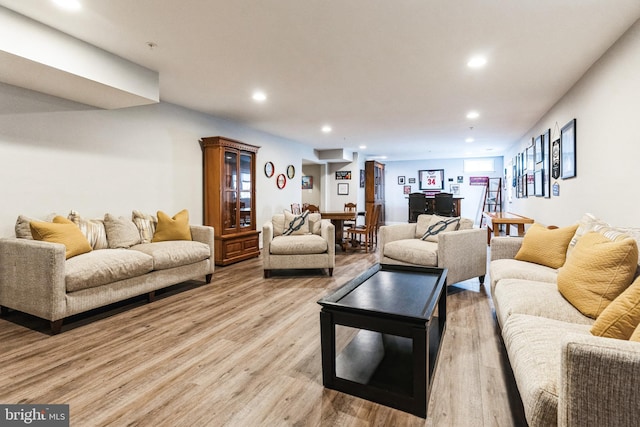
492 197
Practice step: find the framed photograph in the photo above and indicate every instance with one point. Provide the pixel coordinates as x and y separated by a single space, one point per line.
538 149
407 189
307 182
546 163
531 165
343 189
412 180
538 181
361 178
343 174
454 188
568 150
555 159
401 180
431 179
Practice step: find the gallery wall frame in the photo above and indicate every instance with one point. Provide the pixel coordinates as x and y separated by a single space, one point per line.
343 189
546 160
555 159
568 150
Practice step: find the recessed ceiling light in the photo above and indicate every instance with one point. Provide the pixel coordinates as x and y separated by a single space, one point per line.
469 140
68 4
362 147
477 62
259 96
326 129
473 115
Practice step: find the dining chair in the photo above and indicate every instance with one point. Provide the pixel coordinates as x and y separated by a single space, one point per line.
368 230
444 204
311 208
350 207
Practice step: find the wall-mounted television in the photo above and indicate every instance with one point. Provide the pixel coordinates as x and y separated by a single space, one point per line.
431 179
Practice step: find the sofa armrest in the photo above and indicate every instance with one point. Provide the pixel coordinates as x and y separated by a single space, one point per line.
389 233
599 380
328 233
203 234
464 254
505 247
32 277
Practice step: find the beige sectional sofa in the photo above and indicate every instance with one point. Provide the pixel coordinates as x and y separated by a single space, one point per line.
36 277
565 375
456 246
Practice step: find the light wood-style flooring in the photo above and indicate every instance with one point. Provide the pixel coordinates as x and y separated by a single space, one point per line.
242 351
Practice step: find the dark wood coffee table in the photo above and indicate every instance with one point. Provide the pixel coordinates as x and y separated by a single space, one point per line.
401 313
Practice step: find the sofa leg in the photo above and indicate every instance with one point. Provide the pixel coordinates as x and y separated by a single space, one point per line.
208 277
151 296
331 272
56 326
481 279
267 274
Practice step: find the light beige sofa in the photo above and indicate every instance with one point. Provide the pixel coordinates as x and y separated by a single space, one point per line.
565 375
36 278
314 248
462 251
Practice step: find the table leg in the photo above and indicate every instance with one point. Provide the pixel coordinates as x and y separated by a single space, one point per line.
520 229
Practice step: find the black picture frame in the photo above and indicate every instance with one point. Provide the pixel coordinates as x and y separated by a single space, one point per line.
361 178
568 150
546 161
538 149
291 171
269 169
343 189
401 180
539 183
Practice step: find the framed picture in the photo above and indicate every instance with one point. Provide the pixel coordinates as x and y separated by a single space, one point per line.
268 169
555 159
454 188
531 165
538 181
412 180
343 189
343 174
361 178
407 189
307 183
538 149
431 179
291 171
568 150
281 181
546 163
401 180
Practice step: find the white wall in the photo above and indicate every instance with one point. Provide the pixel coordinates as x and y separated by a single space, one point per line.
313 196
397 203
56 155
606 104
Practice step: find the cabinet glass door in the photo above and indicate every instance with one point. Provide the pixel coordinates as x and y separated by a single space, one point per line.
230 191
245 190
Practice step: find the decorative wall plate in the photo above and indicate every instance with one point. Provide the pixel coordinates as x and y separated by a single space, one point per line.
281 181
291 171
268 169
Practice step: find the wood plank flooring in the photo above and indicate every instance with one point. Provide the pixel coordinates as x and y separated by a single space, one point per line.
242 351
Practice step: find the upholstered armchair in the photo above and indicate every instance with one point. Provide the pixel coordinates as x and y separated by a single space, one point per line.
434 241
298 242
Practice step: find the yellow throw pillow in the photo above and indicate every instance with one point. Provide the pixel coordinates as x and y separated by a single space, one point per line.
622 316
597 271
61 230
545 246
636 334
176 228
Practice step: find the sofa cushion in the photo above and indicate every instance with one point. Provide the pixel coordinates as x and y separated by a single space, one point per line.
174 253
597 271
296 224
413 251
93 230
622 316
534 346
422 223
439 225
121 232
298 245
61 230
546 246
587 223
174 228
315 222
518 296
513 269
635 336
23 227
104 266
146 225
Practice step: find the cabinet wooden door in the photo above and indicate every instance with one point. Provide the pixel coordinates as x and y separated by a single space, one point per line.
229 198
374 187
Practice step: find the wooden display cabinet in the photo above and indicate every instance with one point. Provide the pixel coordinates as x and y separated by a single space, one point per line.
374 188
229 187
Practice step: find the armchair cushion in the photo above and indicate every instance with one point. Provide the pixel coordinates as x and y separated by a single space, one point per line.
413 251
438 225
298 245
295 225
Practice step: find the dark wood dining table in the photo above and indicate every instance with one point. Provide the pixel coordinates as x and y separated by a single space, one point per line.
338 218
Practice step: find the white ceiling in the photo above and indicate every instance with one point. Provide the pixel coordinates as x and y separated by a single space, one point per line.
390 74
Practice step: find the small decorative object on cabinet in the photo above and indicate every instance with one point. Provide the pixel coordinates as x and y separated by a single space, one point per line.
229 169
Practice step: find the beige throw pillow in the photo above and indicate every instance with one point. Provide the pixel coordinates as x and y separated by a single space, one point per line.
146 225
93 230
121 232
296 224
23 227
439 224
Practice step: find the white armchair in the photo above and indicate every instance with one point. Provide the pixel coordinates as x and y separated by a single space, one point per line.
463 251
315 248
